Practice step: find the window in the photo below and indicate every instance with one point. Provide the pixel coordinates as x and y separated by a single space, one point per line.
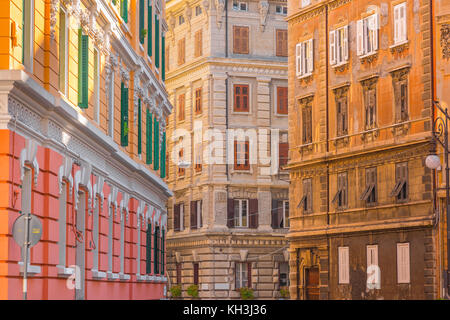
367 35
240 40
304 58
124 128
196 214
400 31
243 275
156 150
339 46
198 157
181 170
148 133
241 155
241 212
240 5
156 250
178 271
141 21
283 153
282 45
124 10
27 34
400 83
198 44
139 125
279 9
306 3
340 199
372 255
280 214
403 263
157 39
282 100
181 51
181 108
370 102
180 20
370 192
198 100
344 270
96 85
195 265
307 124
178 217
150 30
306 201
63 51
284 274
341 115
241 98
400 190
83 69
198 10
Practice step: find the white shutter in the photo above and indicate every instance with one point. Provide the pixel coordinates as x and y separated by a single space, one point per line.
345 42
298 59
304 65
375 27
372 255
310 55
360 37
403 263
344 269
396 24
403 32
332 47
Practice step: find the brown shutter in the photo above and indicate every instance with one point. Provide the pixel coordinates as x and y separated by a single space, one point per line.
176 217
247 155
201 213
253 212
230 213
283 153
281 43
249 276
280 213
244 39
193 214
178 266
236 39
196 273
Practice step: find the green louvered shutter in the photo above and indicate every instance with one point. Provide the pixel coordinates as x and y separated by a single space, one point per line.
141 20
139 128
156 41
150 30
83 64
149 138
124 10
163 57
156 251
156 145
148 250
124 128
163 156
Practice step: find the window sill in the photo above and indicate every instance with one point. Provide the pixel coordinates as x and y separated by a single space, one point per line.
141 47
399 47
341 67
31 270
64 272
149 59
112 276
124 277
98 274
369 57
281 114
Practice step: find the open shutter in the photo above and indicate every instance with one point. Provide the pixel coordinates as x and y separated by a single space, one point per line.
332 47
280 213
149 138
298 59
150 30
176 217
124 9
360 37
139 127
375 27
163 58
193 215
345 43
157 36
253 212
397 24
156 145
403 30
230 213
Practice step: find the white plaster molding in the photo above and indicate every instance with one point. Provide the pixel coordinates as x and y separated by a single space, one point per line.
124 75
194 255
263 6
65 173
112 197
124 206
28 157
98 190
220 6
83 179
243 254
164 221
54 6
178 256
286 255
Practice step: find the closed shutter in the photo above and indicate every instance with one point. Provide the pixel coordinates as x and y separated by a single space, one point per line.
345 42
230 213
403 263
124 10
281 43
148 250
157 35
163 157
343 265
253 212
176 217
249 274
193 214
403 31
163 251
360 37
333 47
196 273
283 150
282 100
163 57
178 270
156 145
123 115
200 211
141 20
149 138
139 127
298 59
156 251
83 65
198 43
150 30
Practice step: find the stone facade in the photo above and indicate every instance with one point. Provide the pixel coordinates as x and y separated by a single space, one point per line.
215 246
351 222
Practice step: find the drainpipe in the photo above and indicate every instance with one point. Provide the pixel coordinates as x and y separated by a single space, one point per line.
327 48
226 28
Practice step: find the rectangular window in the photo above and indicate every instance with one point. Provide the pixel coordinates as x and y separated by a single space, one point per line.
240 5
124 128
401 99
198 100
306 201
281 43
243 275
283 153
403 263
178 271
181 108
196 214
149 138
83 69
279 9
282 100
198 157
124 10
96 85
181 51
400 190
370 192
307 124
156 150
156 251
241 98
148 250
370 102
343 264
339 46
196 269
400 27
372 255
341 116
27 34
241 210
180 20
141 21
178 217
340 199
150 29
198 43
240 40
241 155
63 51
304 58
198 10
284 274
367 35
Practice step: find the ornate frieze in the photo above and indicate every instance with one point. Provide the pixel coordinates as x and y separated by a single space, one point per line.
445 40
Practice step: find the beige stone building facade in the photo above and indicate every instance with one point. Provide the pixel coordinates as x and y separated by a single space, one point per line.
227 70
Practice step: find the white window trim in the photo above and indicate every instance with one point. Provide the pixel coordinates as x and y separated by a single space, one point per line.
335 46
111 106
304 58
249 98
362 35
241 270
282 9
343 267
239 5
372 255
400 25
239 219
403 271
181 216
199 213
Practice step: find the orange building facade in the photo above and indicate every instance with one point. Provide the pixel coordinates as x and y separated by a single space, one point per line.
83 107
360 109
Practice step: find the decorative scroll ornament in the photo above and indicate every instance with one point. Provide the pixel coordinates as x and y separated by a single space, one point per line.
98 190
263 10
124 75
109 69
54 5
65 174
445 41
83 180
112 198
140 212
206 7
138 93
28 156
124 206
220 6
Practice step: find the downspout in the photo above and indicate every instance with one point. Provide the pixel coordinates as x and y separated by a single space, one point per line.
226 28
327 48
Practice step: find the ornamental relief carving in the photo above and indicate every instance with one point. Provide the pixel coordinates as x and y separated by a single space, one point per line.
445 40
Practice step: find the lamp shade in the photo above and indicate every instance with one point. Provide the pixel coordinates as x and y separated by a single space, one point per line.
432 161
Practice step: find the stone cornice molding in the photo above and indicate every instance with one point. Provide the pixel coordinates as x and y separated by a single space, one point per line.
124 75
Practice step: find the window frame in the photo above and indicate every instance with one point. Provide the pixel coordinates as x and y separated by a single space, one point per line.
281 49
245 153
400 24
239 5
238 218
306 201
403 272
370 194
181 47
304 58
343 265
181 116
240 40
279 111
401 187
307 124
240 97
242 275
281 11
367 37
339 51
